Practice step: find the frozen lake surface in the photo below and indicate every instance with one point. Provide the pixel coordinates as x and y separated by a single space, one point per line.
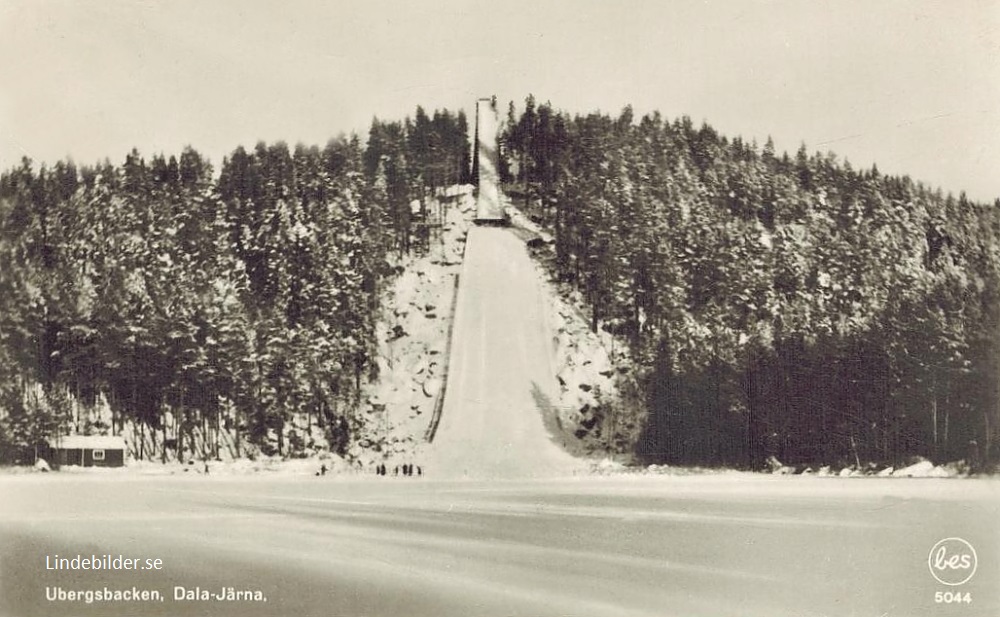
728 544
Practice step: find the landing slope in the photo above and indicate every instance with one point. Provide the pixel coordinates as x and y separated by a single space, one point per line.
501 381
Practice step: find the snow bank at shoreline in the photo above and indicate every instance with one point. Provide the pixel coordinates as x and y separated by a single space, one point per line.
606 467
923 469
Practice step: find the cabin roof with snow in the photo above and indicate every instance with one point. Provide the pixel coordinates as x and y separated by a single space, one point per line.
88 442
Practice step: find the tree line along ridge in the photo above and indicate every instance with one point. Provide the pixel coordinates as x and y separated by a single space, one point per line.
771 305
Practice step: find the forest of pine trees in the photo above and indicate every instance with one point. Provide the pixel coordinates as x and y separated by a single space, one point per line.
774 305
187 300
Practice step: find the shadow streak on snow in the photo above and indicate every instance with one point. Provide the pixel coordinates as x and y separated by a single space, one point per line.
558 433
443 392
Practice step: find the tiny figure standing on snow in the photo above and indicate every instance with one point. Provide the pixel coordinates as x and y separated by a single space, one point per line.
322 469
974 459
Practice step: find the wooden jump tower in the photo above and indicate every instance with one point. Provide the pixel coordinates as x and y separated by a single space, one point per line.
489 208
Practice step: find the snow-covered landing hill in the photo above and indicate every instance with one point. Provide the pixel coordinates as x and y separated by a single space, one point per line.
413 335
522 331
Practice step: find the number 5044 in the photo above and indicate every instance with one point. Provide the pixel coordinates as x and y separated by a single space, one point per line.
952 597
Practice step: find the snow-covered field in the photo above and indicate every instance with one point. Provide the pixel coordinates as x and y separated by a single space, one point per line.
657 546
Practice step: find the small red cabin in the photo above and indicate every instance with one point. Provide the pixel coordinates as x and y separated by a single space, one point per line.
87 450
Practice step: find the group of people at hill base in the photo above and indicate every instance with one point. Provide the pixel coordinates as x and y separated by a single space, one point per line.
407 469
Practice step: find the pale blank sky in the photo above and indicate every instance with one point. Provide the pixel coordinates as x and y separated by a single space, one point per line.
912 85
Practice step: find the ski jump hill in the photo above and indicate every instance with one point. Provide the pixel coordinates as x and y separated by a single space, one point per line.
501 381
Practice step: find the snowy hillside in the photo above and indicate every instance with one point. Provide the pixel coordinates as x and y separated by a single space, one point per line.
413 333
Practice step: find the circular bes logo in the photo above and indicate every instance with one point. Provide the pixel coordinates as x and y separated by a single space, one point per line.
952 561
